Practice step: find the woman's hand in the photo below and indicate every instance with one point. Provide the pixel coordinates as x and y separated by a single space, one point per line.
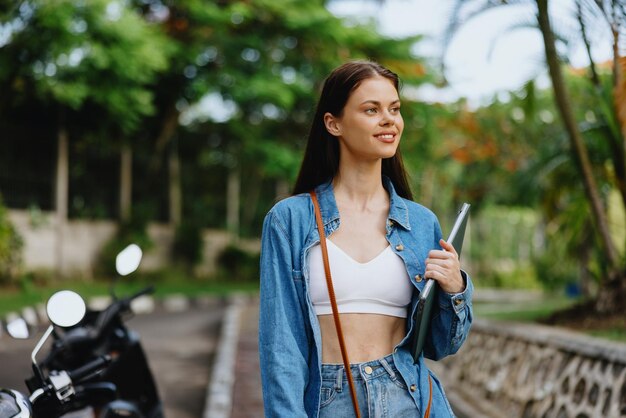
444 267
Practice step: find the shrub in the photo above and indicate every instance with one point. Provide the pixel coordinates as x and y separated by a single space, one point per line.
11 245
134 231
187 247
237 264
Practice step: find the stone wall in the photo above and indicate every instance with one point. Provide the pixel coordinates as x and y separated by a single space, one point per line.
83 241
511 370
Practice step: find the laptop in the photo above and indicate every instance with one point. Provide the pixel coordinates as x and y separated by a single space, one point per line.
423 312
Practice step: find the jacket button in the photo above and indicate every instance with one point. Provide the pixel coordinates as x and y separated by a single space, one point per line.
418 278
413 388
457 302
399 247
368 370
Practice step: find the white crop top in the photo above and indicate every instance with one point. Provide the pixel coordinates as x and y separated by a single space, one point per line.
380 286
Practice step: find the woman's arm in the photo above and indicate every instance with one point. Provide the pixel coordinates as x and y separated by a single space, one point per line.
283 341
451 322
453 316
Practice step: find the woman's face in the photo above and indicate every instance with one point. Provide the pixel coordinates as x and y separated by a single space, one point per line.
371 124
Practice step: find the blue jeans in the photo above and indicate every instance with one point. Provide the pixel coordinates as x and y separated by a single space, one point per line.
380 390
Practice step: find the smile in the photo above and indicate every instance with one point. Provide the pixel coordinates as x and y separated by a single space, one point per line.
385 137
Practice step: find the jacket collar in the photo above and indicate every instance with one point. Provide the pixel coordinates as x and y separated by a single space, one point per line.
398 210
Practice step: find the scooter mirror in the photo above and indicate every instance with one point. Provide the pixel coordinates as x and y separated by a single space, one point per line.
18 329
128 260
66 308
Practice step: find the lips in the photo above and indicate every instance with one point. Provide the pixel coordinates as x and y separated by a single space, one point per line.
386 137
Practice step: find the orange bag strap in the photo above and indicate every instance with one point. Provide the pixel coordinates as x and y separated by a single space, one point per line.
430 397
333 303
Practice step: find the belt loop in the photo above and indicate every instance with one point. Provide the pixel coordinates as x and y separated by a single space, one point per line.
339 380
387 367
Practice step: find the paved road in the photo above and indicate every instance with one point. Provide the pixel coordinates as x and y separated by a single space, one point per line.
179 346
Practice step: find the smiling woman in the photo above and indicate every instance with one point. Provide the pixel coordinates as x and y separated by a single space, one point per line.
352 194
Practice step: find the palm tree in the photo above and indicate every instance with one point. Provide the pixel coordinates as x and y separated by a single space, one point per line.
612 13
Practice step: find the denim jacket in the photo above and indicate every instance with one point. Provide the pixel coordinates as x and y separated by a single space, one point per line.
289 332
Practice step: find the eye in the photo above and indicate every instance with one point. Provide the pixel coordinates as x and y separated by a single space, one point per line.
370 111
395 109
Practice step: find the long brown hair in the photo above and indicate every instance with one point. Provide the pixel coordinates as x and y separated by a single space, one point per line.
321 157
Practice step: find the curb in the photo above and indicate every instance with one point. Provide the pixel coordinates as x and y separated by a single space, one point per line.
219 394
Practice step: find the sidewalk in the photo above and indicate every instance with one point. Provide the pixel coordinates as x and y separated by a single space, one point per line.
234 389
247 397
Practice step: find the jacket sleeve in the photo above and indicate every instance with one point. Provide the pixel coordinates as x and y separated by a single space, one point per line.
452 319
283 340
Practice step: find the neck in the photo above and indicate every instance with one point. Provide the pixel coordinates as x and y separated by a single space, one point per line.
360 184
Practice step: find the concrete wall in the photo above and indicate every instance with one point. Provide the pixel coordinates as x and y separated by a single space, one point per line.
83 241
511 370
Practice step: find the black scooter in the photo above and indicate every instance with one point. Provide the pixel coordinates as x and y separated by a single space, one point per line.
96 367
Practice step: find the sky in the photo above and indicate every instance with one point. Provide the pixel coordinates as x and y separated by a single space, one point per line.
477 66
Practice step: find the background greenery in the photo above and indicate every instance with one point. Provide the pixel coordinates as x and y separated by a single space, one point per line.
212 101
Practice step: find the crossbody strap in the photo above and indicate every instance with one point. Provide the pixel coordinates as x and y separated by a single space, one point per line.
333 303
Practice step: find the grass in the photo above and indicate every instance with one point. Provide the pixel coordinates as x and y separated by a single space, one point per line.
15 299
535 311
522 311
615 334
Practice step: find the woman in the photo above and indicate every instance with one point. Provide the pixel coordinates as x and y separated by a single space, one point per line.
381 247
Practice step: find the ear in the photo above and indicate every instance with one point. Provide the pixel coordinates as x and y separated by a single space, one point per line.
332 124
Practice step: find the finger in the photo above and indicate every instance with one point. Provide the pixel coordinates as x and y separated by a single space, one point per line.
448 281
447 246
435 256
449 263
434 274
434 269
440 254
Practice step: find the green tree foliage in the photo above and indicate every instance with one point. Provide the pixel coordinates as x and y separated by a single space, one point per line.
514 152
243 82
81 54
81 68
223 85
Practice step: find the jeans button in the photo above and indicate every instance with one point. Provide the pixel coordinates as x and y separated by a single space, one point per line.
368 370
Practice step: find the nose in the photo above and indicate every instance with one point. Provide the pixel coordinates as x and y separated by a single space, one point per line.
387 119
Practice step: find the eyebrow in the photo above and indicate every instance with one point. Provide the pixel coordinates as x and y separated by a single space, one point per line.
376 102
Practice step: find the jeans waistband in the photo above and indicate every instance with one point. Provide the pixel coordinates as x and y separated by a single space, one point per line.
361 371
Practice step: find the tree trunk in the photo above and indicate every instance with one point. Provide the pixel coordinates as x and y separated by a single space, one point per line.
252 193
619 96
126 182
575 137
175 194
282 189
232 202
612 294
168 128
61 193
